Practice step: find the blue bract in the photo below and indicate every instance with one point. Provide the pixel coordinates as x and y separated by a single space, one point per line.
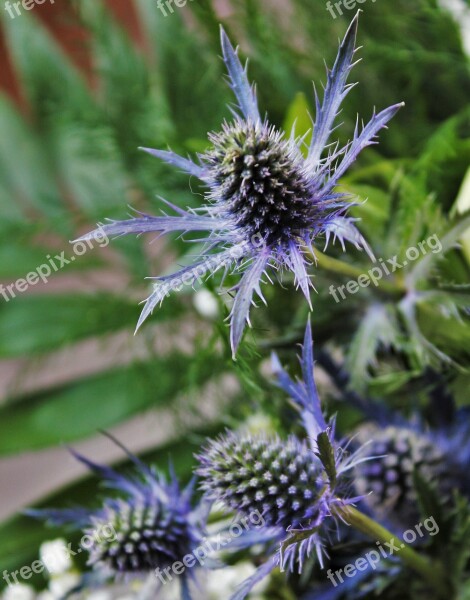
146 525
294 484
267 205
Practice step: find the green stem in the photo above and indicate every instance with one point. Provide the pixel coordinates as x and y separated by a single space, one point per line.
429 570
334 265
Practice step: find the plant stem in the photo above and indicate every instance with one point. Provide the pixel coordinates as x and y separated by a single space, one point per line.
429 570
334 265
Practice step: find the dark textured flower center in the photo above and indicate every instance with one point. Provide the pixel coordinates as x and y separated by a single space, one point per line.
143 538
390 479
256 177
279 479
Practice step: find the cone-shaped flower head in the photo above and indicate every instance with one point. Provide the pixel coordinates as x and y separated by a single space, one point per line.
149 534
146 525
259 180
266 204
281 479
405 452
294 484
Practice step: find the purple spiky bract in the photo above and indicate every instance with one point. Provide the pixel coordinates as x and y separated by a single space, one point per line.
294 484
148 523
267 206
404 450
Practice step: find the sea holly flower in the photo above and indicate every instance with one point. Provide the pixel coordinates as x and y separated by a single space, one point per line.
402 452
410 451
300 487
266 206
144 527
406 451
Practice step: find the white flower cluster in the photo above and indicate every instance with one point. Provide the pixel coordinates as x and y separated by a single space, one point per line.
63 577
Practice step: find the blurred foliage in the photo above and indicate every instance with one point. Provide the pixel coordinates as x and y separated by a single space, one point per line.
72 160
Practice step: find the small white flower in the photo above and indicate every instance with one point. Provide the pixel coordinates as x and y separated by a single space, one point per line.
19 592
206 304
229 579
258 424
100 595
46 595
55 556
60 585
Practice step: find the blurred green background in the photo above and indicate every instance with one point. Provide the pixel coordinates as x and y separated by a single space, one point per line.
84 83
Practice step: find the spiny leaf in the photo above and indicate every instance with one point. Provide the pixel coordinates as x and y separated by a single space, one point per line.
378 327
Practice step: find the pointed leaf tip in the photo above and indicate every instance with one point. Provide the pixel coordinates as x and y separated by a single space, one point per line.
351 32
239 83
335 92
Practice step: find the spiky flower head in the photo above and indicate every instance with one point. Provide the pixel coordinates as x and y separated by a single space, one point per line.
281 479
405 452
266 205
148 533
294 484
258 178
147 525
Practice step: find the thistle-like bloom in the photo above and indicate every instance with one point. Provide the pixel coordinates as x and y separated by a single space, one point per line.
405 451
295 484
266 205
147 527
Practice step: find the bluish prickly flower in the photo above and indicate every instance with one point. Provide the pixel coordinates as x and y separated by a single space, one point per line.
266 204
295 484
440 457
147 526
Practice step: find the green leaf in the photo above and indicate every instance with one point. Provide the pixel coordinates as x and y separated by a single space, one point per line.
184 66
389 383
428 498
36 55
35 324
87 158
298 119
462 206
456 553
377 328
326 454
21 254
29 180
373 206
79 409
460 386
446 242
127 91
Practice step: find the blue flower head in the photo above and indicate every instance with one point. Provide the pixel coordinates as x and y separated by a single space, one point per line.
266 205
146 525
295 484
406 450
